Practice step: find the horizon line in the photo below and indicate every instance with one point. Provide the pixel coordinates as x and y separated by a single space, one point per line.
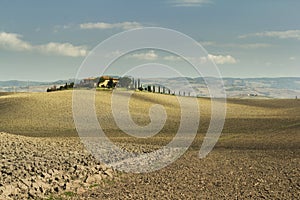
227 77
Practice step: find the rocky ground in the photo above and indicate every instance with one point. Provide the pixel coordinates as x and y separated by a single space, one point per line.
224 174
44 167
60 168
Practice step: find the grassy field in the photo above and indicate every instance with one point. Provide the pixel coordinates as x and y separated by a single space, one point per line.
252 121
256 157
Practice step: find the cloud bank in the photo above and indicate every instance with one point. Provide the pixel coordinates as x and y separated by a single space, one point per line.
220 59
65 49
14 42
150 55
289 34
190 3
102 25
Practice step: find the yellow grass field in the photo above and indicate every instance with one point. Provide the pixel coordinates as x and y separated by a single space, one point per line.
256 157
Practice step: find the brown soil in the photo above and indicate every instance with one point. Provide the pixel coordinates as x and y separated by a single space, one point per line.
257 156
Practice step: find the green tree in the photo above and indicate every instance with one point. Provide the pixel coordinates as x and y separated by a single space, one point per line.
101 80
111 83
124 82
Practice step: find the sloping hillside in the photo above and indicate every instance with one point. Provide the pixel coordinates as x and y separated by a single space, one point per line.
257 155
50 114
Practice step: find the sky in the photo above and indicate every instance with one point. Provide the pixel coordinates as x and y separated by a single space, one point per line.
49 40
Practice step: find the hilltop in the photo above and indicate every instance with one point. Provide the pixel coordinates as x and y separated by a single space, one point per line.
281 87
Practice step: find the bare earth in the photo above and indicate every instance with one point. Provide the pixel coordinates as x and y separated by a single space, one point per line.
257 156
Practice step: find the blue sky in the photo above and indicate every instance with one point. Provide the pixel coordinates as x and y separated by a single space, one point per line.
48 40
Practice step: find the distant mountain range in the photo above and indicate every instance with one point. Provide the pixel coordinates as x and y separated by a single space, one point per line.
29 86
282 87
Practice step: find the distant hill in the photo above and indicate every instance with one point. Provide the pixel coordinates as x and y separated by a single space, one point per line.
17 83
281 87
31 86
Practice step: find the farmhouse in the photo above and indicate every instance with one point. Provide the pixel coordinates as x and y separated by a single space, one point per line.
108 82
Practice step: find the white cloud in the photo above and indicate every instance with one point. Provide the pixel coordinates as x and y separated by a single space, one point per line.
172 58
12 41
235 45
102 25
190 3
219 59
65 49
150 55
289 34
